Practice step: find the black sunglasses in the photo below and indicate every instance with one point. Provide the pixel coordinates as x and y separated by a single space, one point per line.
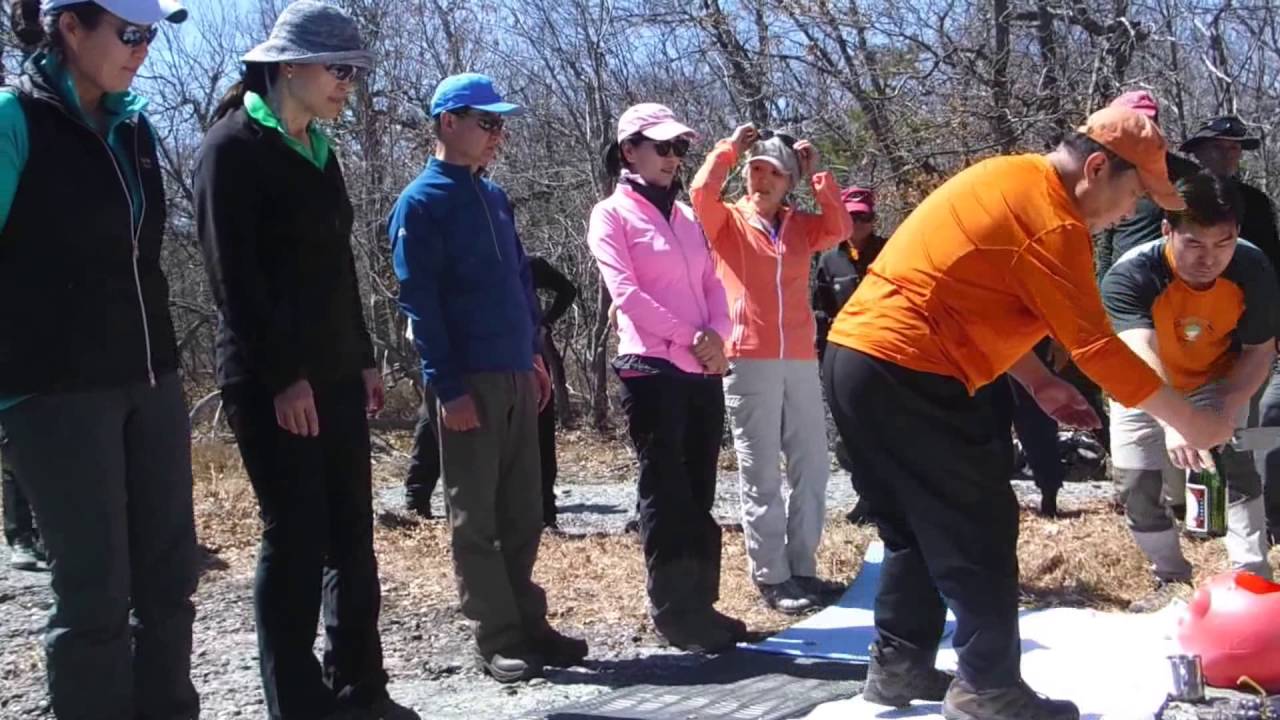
137 35
766 133
488 123
679 146
343 72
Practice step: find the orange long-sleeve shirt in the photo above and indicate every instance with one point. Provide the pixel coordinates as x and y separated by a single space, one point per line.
986 266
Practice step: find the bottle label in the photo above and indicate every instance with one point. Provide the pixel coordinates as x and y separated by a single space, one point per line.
1197 508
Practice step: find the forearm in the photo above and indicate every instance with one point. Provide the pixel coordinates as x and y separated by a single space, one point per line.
1251 369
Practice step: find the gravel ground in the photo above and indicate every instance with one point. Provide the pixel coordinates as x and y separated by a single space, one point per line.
426 649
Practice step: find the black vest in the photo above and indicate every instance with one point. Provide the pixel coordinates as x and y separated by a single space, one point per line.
83 302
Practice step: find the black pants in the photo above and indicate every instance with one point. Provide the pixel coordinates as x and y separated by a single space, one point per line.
937 486
676 425
317 550
424 463
547 453
19 525
1037 432
1269 410
108 473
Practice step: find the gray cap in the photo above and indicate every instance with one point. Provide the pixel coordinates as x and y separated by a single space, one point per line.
776 152
311 32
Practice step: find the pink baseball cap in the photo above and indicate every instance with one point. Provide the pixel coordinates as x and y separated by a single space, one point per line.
1139 101
652 120
859 199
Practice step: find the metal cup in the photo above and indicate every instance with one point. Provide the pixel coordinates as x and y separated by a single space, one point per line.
1188 678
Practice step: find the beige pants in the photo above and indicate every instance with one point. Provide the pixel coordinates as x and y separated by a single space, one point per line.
776 409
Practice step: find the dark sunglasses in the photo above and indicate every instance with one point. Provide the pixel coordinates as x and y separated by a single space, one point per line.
766 133
862 217
136 35
343 73
679 146
491 124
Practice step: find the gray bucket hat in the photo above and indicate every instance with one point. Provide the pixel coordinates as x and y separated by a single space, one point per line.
311 32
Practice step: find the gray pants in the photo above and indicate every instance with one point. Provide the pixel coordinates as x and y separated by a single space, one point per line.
776 410
1139 456
108 474
493 492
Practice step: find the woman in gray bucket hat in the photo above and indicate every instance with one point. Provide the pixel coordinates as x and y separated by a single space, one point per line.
295 362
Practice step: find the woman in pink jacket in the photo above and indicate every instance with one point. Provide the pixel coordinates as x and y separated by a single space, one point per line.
763 249
672 317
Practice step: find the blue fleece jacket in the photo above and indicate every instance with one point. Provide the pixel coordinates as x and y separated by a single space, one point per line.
465 283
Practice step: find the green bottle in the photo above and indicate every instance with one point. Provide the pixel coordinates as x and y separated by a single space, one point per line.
1207 500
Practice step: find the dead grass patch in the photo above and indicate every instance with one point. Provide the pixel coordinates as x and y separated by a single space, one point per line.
1088 560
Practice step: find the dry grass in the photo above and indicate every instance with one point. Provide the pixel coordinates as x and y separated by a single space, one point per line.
1088 560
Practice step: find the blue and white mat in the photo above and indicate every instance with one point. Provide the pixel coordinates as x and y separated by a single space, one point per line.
1113 665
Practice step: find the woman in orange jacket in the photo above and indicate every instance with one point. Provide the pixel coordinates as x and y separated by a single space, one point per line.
763 248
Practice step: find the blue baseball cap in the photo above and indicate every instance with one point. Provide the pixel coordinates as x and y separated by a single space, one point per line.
470 90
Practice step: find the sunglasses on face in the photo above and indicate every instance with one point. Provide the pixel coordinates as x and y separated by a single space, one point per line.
679 146
491 124
862 217
342 72
137 35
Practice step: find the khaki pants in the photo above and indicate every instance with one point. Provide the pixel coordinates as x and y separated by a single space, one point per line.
493 493
776 410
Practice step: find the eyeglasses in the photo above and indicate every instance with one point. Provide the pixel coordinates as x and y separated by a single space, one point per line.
343 73
491 124
766 133
137 35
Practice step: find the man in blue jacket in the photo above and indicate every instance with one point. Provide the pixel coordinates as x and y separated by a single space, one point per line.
466 287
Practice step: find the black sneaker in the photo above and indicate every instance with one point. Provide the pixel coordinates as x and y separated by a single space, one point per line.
822 592
695 634
737 629
25 555
895 678
787 597
1019 702
420 508
1166 592
1049 505
510 666
558 649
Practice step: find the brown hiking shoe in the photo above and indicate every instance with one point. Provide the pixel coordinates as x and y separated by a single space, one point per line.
1167 591
1019 702
895 678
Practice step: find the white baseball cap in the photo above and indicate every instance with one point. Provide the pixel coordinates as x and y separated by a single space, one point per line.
138 12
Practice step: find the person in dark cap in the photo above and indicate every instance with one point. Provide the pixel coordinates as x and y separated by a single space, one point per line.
1219 145
295 362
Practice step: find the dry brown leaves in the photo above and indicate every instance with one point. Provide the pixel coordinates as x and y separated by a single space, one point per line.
1086 560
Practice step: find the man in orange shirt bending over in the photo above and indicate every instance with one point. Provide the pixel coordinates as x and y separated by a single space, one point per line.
985 267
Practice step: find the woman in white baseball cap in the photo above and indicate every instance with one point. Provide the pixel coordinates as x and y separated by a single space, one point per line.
90 399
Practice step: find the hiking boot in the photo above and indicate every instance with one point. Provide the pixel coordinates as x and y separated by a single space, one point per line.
859 515
786 597
559 650
24 555
510 666
1049 505
737 629
1019 702
695 634
895 678
822 592
1166 592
